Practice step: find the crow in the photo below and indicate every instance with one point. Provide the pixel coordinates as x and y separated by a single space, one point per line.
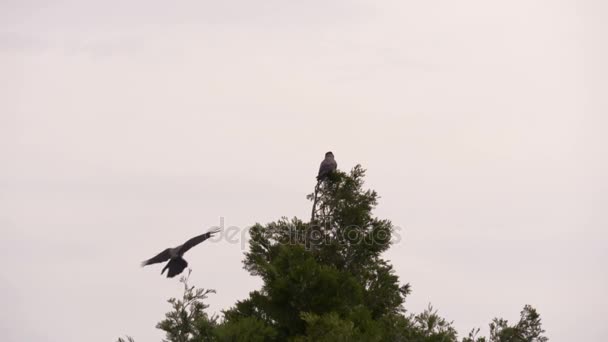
177 264
328 166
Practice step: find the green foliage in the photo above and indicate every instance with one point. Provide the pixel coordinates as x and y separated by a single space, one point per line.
246 329
429 326
472 337
326 273
528 329
326 280
329 327
128 339
188 322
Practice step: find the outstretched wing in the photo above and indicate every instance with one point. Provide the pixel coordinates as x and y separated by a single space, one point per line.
161 257
196 240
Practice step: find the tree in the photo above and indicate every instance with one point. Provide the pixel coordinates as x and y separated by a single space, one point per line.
325 275
188 321
126 339
326 280
528 329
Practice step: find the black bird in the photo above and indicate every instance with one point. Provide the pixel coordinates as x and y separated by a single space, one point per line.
328 165
177 264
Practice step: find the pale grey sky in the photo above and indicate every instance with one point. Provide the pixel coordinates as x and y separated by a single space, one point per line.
128 126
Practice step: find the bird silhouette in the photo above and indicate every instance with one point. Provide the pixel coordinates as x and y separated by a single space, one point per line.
328 165
177 264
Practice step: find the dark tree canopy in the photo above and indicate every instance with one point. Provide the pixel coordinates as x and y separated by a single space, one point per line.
330 269
326 280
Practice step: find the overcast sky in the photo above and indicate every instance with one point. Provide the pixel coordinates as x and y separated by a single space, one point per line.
129 126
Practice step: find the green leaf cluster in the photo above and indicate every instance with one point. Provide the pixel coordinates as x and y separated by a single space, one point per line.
326 280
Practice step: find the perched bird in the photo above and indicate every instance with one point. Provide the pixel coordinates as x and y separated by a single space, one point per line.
176 263
328 165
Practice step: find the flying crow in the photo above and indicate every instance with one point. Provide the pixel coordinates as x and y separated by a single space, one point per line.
176 263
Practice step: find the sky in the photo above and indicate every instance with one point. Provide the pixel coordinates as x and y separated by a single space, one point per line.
129 126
